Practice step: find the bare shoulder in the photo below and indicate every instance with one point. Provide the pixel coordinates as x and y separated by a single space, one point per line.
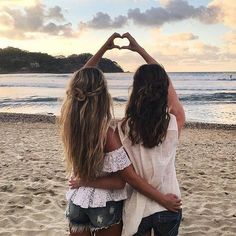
113 140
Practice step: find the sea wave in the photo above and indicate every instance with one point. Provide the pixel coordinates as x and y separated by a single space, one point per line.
216 97
30 100
228 79
32 85
120 99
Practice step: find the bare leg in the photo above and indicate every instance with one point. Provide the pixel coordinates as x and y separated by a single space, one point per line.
114 230
148 234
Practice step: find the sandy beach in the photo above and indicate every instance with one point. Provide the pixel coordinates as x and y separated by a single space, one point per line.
33 180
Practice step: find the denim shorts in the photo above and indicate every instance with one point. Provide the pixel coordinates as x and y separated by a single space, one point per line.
164 223
92 219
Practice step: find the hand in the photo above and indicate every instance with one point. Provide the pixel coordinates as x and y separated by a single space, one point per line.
172 202
110 42
76 183
133 45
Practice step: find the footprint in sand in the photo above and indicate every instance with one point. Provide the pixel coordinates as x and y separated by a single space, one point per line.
7 188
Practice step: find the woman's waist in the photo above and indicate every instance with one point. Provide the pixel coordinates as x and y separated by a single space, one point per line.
94 197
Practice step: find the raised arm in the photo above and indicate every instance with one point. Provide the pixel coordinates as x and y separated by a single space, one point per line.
174 104
108 45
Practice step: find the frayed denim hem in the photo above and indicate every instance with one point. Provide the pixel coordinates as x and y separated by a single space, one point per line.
81 228
94 229
74 228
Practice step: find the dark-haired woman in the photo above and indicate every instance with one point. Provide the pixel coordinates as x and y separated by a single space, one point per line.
149 132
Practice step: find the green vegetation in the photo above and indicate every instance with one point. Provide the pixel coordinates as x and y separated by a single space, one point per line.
14 60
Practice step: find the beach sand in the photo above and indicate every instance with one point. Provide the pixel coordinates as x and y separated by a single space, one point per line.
33 180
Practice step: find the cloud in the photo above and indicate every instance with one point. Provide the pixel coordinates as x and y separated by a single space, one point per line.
230 37
174 10
180 52
56 13
230 43
103 20
184 37
185 51
19 23
6 21
16 3
31 19
228 11
164 2
60 30
200 48
170 11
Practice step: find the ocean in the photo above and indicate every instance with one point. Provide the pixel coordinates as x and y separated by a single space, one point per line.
208 97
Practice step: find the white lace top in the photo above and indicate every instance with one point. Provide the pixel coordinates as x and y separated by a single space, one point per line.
87 197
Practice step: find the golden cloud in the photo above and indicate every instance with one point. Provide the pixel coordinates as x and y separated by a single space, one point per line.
31 18
183 37
230 42
174 44
6 21
17 3
228 11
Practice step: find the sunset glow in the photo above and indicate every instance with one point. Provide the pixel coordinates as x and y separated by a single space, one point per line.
182 35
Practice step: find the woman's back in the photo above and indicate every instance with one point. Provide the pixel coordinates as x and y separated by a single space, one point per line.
157 166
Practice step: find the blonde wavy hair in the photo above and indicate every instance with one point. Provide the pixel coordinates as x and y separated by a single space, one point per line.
85 119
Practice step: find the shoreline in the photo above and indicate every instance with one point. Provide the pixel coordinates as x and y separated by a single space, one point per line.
51 118
59 73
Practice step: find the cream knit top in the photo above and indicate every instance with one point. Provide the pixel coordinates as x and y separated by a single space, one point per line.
157 166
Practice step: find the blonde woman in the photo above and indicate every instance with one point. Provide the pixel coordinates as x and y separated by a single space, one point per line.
93 149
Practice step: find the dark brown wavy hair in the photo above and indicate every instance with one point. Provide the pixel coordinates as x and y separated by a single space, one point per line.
85 119
147 111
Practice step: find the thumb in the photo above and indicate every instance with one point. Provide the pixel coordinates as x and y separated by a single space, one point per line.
125 47
118 47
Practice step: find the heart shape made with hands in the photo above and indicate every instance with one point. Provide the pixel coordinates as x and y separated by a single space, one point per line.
121 42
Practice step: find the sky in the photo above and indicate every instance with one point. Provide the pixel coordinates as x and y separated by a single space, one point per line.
182 35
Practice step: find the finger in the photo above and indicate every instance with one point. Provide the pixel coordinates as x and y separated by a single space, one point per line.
178 201
173 209
126 47
126 35
176 197
177 206
115 46
116 35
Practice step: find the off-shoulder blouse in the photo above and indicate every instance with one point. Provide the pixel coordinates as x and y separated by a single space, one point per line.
87 197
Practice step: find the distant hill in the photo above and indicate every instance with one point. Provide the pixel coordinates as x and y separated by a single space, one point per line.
14 60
